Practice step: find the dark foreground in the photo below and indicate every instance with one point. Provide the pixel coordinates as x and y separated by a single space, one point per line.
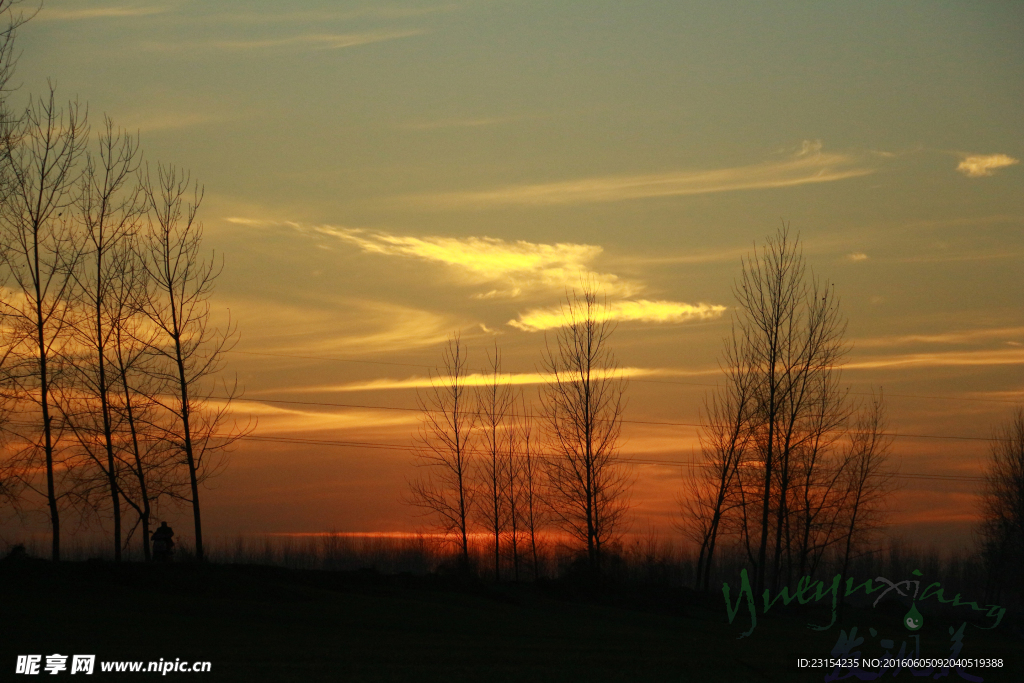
272 624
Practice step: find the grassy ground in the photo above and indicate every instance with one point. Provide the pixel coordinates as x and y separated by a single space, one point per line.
273 624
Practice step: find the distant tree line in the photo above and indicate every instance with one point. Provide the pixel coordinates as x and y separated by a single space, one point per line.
107 353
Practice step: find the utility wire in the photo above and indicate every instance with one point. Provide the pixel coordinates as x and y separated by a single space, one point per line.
936 397
642 422
549 455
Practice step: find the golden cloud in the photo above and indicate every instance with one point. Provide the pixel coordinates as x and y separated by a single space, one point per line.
1013 356
981 165
486 378
515 266
640 310
282 420
1007 334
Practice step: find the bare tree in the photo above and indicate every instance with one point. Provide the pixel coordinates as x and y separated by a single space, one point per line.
151 465
782 466
1002 508
494 405
867 481
109 208
40 250
792 332
446 490
582 405
190 351
526 483
725 434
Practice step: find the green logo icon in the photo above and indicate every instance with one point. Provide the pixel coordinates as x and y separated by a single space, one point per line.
913 619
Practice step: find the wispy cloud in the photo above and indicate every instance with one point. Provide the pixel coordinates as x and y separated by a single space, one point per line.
275 419
857 256
483 379
59 14
981 165
640 311
342 327
1014 356
462 123
810 165
169 120
314 41
377 11
957 337
321 41
511 267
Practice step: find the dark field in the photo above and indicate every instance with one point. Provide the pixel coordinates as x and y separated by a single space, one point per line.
257 623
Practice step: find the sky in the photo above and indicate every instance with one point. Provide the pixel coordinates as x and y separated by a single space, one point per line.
381 175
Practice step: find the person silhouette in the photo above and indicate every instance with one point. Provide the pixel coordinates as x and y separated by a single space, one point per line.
163 545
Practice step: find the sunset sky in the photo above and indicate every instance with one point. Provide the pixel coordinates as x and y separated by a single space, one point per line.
380 175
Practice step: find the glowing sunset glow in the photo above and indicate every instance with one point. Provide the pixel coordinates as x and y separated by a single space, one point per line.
380 176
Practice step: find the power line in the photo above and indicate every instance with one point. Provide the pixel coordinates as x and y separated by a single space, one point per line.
642 422
548 455
935 397
337 360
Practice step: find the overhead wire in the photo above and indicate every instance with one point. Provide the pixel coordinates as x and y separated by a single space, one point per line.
549 455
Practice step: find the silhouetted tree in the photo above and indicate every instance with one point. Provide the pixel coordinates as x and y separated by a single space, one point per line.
40 250
793 334
525 484
110 207
494 405
152 464
582 405
725 434
867 480
10 20
780 461
189 351
446 490
1002 509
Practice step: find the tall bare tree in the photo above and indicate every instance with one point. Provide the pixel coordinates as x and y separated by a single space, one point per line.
494 405
151 468
1002 508
447 490
526 506
582 405
110 207
867 480
725 437
792 333
40 251
189 349
787 465
10 20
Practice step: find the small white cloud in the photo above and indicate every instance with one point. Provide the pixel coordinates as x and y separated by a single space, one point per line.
981 165
857 256
639 311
